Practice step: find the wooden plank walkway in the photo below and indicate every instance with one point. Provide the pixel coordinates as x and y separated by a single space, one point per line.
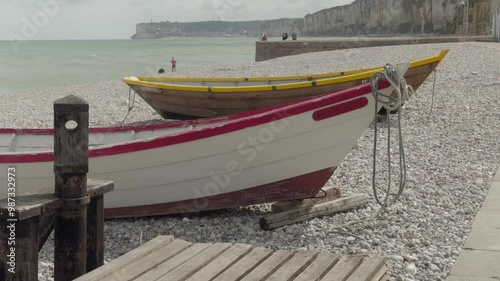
169 259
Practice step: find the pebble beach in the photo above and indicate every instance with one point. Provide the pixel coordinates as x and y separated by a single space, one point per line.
451 132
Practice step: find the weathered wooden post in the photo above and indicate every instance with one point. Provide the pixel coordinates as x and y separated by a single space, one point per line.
71 121
22 263
95 230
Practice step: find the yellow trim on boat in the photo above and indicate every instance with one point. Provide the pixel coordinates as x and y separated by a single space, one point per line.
324 79
297 85
239 89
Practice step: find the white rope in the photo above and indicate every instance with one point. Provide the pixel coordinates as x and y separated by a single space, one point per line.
390 103
433 93
130 104
433 96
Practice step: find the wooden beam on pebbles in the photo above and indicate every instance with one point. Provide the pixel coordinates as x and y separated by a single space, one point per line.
273 221
330 193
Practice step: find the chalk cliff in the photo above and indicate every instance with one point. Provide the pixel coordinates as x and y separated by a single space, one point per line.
208 28
361 18
277 27
387 17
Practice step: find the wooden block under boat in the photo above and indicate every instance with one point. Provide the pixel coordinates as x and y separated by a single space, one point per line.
273 221
328 193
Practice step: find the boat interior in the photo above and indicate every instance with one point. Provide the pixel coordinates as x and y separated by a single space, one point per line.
19 141
259 81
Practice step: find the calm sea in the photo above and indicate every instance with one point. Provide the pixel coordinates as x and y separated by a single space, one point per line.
43 64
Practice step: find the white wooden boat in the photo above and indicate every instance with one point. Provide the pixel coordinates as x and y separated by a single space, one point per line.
279 153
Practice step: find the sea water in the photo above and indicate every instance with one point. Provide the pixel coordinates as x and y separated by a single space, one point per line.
35 65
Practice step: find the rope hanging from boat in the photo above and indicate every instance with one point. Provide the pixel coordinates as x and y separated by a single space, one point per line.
390 103
130 104
404 92
433 92
433 95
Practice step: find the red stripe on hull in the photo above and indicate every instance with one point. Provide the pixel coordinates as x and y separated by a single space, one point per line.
340 109
294 188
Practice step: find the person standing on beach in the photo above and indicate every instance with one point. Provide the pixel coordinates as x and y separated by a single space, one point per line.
174 62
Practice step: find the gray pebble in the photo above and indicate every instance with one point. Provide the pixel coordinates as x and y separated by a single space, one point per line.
433 222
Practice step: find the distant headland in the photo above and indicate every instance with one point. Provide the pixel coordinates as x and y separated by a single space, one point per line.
361 18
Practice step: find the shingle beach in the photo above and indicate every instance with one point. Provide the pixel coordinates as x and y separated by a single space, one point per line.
452 154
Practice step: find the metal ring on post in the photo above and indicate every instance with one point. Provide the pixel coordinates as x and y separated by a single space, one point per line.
76 202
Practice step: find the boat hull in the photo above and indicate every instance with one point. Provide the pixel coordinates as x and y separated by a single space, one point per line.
190 104
252 158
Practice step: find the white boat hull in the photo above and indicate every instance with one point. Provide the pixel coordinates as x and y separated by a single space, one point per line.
270 155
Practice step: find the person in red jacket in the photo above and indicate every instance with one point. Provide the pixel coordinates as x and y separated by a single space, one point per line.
174 62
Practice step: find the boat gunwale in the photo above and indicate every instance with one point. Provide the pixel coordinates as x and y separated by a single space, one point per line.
233 123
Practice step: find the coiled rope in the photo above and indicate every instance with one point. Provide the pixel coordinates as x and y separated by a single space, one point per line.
390 103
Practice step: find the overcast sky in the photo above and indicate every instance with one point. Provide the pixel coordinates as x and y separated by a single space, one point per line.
116 19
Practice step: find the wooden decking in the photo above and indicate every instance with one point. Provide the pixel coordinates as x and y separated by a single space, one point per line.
166 258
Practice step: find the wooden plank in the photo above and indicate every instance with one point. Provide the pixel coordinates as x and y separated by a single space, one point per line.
381 274
221 263
369 268
99 187
245 265
385 277
144 264
174 262
343 269
122 261
28 206
95 232
187 269
323 263
31 205
330 193
269 266
293 267
45 227
25 265
276 220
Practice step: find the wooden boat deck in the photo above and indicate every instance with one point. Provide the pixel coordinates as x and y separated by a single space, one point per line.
166 258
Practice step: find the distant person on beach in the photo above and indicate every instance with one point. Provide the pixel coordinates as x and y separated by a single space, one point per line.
174 62
294 36
284 36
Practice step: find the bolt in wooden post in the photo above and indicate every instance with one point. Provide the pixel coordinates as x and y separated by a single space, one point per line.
71 121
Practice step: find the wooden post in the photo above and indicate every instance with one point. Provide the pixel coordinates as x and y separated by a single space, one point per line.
467 19
95 230
71 121
26 251
45 227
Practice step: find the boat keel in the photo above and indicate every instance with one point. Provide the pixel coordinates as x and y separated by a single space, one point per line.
300 187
